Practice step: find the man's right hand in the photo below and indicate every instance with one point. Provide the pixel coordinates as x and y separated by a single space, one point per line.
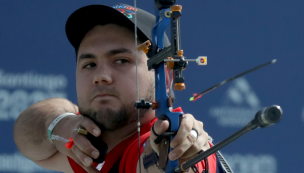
82 151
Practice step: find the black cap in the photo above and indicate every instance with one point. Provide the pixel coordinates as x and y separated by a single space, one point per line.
85 18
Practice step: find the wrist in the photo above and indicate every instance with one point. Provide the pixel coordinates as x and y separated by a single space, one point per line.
53 127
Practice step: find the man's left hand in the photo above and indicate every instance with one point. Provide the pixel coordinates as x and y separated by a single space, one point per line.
185 145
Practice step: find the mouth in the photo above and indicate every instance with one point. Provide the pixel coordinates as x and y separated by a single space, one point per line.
103 96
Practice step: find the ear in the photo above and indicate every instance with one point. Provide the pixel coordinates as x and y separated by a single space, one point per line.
168 82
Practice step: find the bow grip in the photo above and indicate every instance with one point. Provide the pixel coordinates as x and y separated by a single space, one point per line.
174 118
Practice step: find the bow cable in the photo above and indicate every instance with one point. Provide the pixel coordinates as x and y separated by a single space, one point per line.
137 87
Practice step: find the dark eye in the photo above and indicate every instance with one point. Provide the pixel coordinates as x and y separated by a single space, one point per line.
121 61
90 65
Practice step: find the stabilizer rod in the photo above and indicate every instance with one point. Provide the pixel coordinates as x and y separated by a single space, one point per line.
263 118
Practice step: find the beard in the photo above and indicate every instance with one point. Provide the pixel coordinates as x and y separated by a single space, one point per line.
111 120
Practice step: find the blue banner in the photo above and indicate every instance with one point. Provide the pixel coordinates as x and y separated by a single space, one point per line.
38 62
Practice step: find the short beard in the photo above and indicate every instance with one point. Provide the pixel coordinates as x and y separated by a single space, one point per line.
111 120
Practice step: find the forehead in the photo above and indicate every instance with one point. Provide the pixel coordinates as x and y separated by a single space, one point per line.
110 33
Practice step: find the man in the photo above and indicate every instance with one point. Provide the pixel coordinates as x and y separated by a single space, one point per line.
106 90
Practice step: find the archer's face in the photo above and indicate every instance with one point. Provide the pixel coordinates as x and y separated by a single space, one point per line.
106 72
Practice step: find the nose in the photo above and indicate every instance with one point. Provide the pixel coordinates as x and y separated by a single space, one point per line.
103 75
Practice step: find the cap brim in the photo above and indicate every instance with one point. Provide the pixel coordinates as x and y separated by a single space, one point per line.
85 18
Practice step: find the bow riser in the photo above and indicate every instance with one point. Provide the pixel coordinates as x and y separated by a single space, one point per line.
163 111
163 20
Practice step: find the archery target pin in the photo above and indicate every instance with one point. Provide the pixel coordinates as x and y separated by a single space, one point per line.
201 60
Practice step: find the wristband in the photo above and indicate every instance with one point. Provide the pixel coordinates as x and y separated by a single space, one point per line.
55 122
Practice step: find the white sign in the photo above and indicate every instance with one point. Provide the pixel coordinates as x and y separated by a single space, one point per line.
20 90
18 163
250 163
31 80
238 107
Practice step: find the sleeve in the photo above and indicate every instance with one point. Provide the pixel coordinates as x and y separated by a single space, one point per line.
76 168
130 158
212 162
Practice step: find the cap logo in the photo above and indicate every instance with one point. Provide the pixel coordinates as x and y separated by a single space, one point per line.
128 11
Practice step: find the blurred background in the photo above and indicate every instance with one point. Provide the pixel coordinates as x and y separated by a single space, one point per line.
37 62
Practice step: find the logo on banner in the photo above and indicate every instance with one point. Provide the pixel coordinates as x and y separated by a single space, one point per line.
238 107
8 164
249 163
128 11
20 90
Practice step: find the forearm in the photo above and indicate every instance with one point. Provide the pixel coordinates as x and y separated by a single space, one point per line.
30 130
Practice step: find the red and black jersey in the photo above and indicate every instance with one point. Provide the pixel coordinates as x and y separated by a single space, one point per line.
125 155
